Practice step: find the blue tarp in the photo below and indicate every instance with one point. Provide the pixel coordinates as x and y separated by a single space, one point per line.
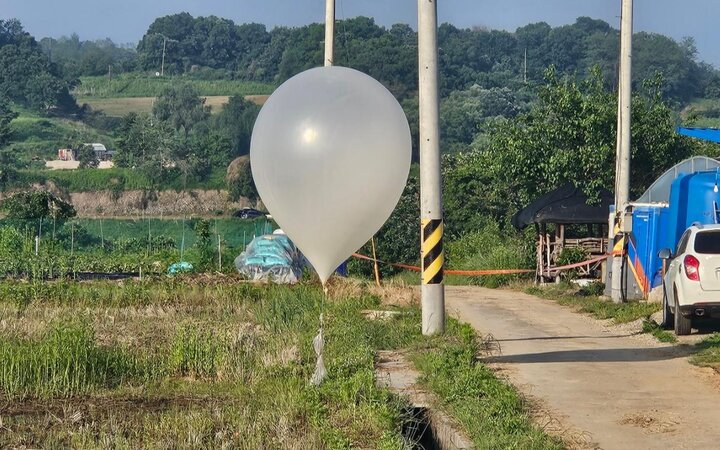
705 134
271 257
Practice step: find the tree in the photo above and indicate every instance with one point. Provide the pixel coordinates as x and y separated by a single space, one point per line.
149 145
463 114
240 181
6 116
181 107
8 168
235 121
26 75
86 155
37 205
570 136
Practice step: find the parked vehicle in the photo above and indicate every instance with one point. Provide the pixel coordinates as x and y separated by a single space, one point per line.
248 213
691 285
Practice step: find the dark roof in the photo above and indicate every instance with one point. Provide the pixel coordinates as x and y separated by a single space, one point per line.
565 205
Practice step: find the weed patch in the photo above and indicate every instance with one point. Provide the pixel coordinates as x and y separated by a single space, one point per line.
595 306
662 335
708 352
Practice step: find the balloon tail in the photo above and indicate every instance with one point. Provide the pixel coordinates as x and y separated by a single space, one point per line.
319 344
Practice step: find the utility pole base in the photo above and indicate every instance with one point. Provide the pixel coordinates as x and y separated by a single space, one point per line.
433 309
616 280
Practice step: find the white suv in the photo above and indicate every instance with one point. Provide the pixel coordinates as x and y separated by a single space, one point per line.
691 283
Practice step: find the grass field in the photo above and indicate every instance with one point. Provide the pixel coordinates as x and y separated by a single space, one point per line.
143 85
703 112
215 363
120 106
88 180
39 137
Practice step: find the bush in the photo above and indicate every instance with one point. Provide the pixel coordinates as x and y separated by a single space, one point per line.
571 256
491 248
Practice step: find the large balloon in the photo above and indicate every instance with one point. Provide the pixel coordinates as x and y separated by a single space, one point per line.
330 155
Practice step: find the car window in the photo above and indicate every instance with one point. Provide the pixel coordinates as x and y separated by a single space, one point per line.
683 243
707 242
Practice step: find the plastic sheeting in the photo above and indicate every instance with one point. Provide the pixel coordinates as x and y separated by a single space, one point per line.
271 257
659 191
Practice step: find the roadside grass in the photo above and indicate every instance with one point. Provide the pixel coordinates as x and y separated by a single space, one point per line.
209 363
707 352
588 301
657 331
491 412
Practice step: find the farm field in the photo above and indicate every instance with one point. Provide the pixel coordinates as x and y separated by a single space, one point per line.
120 106
209 362
235 233
142 85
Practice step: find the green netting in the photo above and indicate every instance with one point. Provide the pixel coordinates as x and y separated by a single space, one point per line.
51 248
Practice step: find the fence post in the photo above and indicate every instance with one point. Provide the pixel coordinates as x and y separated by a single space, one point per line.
219 254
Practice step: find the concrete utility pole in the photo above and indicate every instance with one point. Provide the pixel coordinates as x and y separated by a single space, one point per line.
162 65
431 216
622 177
329 32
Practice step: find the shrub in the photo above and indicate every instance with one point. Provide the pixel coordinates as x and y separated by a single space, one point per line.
491 248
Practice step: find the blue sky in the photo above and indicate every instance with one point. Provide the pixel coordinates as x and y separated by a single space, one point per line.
126 20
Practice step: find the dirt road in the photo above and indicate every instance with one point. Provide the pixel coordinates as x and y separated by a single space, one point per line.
598 386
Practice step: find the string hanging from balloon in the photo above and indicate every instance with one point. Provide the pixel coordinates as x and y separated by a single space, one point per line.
319 344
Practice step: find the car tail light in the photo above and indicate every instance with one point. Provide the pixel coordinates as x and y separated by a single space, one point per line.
692 268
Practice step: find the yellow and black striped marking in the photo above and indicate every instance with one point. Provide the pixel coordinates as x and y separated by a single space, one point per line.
432 251
618 239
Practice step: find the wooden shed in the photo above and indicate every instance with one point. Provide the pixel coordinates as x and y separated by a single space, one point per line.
564 218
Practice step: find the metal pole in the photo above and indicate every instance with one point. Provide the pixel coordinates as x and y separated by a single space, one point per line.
162 67
622 183
329 32
433 291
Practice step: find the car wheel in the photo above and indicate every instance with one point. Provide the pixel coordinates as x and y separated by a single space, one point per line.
683 325
668 316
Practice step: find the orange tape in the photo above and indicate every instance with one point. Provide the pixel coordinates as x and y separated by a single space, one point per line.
493 271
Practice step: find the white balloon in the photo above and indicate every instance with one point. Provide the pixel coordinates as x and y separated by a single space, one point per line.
330 155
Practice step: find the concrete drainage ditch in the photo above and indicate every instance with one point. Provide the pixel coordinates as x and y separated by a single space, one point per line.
426 428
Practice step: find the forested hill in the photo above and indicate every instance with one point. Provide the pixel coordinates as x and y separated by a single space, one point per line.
489 58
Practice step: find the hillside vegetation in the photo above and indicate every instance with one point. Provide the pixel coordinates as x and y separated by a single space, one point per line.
147 85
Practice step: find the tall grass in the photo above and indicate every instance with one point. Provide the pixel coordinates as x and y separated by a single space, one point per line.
65 361
206 353
491 248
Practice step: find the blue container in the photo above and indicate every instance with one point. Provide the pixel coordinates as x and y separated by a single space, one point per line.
645 239
692 199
